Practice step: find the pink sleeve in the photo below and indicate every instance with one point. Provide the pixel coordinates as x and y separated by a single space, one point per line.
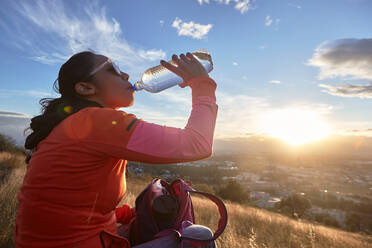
162 144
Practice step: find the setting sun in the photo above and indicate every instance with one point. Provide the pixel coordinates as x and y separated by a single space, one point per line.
295 126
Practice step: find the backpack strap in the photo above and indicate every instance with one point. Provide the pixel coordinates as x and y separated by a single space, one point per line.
111 240
223 216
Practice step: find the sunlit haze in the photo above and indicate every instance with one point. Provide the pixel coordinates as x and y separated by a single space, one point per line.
295 126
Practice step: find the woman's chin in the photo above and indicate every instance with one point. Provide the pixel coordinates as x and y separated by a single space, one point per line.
127 104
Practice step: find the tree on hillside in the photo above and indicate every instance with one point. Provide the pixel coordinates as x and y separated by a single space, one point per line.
326 219
234 191
294 205
353 222
204 188
7 144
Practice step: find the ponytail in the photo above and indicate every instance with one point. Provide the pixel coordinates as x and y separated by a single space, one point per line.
55 110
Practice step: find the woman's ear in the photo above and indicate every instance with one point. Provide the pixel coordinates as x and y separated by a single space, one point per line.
85 89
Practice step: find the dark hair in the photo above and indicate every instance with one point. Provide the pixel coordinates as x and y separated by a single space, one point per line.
55 110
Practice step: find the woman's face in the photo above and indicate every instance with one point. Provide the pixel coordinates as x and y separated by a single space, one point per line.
111 90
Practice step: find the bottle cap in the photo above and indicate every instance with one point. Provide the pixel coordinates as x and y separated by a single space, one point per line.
137 86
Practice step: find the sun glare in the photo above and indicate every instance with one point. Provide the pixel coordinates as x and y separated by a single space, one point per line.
295 126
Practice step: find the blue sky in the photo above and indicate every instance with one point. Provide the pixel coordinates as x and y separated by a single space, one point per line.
269 55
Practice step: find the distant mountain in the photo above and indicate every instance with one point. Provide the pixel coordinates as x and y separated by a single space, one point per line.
334 147
351 146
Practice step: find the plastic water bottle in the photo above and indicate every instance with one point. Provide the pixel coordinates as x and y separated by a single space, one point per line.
159 78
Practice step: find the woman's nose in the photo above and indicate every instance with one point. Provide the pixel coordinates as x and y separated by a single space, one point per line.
124 76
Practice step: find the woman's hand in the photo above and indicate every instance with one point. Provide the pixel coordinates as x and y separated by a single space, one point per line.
187 67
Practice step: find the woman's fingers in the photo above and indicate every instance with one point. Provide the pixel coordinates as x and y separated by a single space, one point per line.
183 85
185 66
175 59
183 62
191 57
171 67
194 61
184 58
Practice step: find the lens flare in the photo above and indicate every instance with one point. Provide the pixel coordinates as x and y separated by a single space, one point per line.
68 109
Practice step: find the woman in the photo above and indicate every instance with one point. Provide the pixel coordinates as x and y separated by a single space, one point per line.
81 144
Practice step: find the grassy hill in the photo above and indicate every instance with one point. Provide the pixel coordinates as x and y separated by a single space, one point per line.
247 227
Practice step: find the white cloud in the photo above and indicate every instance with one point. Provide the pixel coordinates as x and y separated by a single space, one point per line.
361 91
51 31
49 60
161 22
176 23
348 59
173 102
235 63
151 55
233 120
13 114
176 96
194 30
268 21
241 5
31 93
364 132
345 58
295 5
154 115
262 47
274 81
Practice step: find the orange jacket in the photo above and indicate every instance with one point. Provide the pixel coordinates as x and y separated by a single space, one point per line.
76 176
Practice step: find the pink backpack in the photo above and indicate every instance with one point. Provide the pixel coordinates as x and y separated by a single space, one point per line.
166 208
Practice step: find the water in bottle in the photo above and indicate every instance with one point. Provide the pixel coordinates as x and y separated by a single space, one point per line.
159 78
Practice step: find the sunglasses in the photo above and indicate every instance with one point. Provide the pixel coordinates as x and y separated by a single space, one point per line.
108 61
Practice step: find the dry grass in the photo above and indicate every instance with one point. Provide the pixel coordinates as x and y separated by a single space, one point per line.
18 159
250 227
8 196
247 227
